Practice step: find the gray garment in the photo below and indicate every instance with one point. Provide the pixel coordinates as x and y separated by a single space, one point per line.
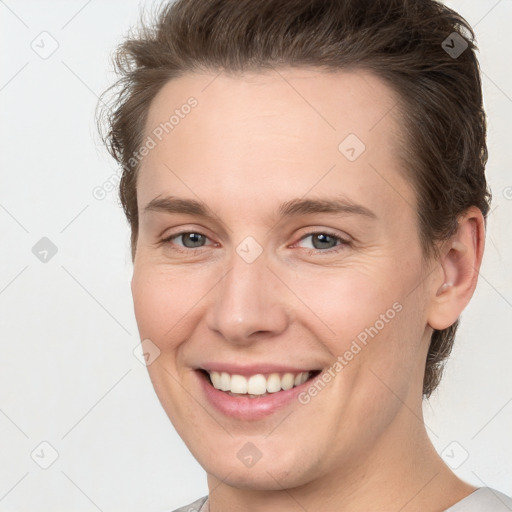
198 506
484 499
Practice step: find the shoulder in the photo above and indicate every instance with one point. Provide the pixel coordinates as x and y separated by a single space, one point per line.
197 506
484 499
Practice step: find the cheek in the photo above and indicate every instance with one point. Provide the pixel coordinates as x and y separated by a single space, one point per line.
345 303
148 299
164 311
369 319
163 303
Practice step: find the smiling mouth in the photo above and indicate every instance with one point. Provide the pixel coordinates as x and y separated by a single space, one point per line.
257 385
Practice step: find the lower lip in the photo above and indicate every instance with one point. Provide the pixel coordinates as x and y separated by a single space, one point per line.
246 408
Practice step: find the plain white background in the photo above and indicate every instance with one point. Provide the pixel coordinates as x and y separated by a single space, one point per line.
68 374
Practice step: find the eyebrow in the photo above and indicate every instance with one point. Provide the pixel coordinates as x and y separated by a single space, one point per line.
292 208
311 206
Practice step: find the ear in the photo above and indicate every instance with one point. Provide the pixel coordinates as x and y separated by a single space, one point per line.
460 260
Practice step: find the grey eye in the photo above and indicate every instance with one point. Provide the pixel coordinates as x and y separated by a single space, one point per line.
192 240
324 241
321 240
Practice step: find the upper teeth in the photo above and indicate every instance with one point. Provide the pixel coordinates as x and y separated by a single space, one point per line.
257 384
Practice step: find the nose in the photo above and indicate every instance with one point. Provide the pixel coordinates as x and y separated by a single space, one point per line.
248 303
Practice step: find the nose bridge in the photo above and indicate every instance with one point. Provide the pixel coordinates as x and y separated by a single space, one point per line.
246 300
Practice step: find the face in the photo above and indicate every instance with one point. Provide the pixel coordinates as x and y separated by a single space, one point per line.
278 242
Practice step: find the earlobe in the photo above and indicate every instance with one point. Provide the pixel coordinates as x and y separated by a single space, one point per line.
460 262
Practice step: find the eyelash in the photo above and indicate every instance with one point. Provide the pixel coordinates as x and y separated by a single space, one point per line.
337 248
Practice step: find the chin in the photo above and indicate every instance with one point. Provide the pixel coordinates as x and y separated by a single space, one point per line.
273 471
265 478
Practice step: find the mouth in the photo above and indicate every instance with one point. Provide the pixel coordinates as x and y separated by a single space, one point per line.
258 385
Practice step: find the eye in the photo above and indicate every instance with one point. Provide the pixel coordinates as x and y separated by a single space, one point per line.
189 240
322 241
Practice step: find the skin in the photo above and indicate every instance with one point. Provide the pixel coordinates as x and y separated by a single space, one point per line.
252 143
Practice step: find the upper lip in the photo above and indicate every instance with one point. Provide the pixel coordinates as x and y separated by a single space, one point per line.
254 368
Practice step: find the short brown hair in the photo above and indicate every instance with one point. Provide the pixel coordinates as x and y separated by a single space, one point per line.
413 45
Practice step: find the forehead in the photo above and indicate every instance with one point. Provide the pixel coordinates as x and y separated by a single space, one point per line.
305 129
298 100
